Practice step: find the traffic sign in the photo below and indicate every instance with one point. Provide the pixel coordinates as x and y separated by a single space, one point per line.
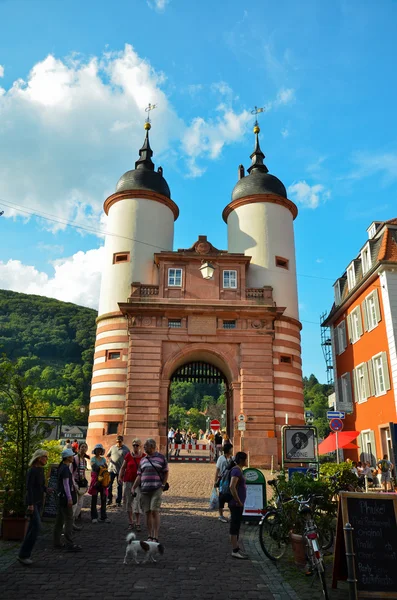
241 418
215 425
309 414
336 414
241 426
336 424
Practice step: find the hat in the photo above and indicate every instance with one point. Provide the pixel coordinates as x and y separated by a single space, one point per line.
98 447
67 453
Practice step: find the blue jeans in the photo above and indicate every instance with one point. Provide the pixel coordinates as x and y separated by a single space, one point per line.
114 476
32 533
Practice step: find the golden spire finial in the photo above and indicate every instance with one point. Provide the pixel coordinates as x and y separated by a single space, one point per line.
255 112
149 107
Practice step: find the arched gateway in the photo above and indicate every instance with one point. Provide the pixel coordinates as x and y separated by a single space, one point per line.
236 310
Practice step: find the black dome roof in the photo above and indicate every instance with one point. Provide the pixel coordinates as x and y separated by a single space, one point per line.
258 182
143 179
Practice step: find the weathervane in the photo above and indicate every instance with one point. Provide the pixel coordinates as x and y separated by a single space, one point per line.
148 109
256 112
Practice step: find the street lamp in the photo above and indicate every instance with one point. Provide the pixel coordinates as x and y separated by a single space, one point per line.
207 270
82 409
223 419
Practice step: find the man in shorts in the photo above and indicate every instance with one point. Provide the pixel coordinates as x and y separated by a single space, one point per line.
385 467
152 479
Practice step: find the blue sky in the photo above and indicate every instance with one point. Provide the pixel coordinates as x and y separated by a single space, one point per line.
75 78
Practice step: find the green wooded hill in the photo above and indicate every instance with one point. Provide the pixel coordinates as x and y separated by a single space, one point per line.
52 343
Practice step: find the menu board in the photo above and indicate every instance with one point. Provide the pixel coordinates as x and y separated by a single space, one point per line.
373 517
50 503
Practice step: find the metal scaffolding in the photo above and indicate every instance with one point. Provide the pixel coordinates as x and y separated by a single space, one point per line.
326 346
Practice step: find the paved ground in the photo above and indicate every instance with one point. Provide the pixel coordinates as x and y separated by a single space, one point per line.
197 562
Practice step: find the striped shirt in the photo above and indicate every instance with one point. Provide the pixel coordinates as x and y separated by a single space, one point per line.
151 471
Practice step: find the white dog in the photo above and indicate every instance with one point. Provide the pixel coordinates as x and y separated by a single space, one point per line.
149 548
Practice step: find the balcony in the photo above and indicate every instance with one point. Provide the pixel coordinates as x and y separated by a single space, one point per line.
139 290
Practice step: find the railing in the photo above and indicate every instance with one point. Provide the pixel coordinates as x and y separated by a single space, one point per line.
138 290
264 293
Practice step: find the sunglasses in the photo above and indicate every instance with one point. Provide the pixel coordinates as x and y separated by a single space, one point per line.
135 444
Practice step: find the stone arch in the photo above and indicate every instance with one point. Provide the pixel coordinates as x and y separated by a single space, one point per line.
202 352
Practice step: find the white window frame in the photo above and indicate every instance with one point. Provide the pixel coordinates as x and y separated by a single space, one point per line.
351 276
173 277
371 231
355 325
381 378
366 262
231 274
361 383
342 339
371 311
346 390
337 293
368 443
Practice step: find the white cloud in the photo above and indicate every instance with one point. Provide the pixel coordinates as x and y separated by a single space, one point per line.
75 279
221 87
74 126
158 4
285 132
1 71
308 196
285 96
384 164
207 138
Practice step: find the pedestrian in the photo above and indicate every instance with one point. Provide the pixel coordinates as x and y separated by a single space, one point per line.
98 466
178 439
367 473
238 490
35 489
66 499
221 466
79 467
153 479
116 456
385 467
68 444
75 446
128 474
218 444
225 439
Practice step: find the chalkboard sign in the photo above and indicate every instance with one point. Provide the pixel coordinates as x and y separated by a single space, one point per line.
50 502
373 517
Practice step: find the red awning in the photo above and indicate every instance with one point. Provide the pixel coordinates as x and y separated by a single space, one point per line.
344 441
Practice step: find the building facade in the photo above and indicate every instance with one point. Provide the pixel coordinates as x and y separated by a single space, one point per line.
363 323
163 313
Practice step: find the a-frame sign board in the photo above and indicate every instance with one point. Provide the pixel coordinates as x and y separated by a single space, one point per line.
373 517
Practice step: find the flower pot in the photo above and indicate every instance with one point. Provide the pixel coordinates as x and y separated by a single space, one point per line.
14 528
298 549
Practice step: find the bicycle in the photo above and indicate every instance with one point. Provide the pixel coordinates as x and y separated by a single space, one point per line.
312 543
274 527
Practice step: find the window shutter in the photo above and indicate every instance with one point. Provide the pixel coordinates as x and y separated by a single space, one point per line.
371 378
349 400
344 336
349 328
366 381
377 307
385 371
365 314
339 393
355 385
336 341
360 447
373 455
360 321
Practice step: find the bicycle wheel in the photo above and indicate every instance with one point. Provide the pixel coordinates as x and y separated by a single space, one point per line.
321 574
271 536
326 538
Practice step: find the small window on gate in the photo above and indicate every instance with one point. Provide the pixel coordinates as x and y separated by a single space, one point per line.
113 355
120 257
174 323
229 324
282 262
285 359
113 428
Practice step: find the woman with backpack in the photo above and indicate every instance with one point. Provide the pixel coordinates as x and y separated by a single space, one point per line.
100 480
224 462
79 466
238 490
128 474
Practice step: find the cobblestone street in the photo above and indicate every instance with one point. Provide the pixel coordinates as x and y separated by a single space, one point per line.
197 562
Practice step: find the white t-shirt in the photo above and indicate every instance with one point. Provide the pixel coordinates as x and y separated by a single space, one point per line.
221 464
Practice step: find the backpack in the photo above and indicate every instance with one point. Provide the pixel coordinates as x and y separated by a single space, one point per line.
224 483
384 466
104 476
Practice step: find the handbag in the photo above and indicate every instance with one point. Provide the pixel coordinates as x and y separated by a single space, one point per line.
166 485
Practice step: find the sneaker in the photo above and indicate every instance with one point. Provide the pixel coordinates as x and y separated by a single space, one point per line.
104 520
94 520
25 561
118 504
239 554
77 527
223 519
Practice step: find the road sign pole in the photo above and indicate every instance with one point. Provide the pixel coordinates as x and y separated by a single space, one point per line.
337 448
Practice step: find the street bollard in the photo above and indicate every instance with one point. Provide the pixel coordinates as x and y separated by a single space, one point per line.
351 570
366 483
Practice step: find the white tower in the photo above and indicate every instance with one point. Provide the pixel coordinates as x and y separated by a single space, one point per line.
260 224
141 219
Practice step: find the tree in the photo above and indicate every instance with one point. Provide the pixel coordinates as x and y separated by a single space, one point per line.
316 399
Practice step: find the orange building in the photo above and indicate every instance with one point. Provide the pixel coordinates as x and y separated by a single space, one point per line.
363 323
